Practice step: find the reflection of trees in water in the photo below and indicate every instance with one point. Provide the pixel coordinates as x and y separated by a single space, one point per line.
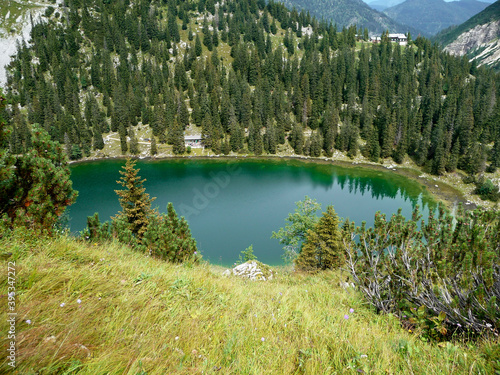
356 181
382 186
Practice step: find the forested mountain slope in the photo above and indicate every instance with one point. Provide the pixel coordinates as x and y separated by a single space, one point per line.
431 16
249 76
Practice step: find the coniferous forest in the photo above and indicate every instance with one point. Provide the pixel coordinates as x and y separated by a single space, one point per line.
252 76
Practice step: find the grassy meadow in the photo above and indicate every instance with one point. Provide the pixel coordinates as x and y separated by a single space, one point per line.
104 309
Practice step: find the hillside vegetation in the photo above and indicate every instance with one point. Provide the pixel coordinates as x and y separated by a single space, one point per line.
104 309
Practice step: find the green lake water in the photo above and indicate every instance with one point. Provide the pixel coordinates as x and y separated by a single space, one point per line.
231 204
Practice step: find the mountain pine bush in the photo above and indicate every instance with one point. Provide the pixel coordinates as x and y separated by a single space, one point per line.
35 186
444 275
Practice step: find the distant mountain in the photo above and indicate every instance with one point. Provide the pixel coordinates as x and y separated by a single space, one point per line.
432 16
350 12
478 37
382 5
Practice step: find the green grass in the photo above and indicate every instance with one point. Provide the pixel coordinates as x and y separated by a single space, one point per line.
140 315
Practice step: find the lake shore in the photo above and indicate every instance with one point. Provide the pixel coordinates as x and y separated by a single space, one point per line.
443 188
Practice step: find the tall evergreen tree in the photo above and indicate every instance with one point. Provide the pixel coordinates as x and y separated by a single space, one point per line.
323 248
176 138
135 202
133 144
154 148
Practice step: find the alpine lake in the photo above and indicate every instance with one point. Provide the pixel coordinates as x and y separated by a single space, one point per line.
231 204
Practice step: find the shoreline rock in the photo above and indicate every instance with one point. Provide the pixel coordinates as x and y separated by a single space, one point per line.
252 270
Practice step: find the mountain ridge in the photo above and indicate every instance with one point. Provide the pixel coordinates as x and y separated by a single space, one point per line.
349 12
431 16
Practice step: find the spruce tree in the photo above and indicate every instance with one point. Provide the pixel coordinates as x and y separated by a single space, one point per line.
323 247
297 139
135 202
198 49
495 160
123 138
133 144
176 138
154 149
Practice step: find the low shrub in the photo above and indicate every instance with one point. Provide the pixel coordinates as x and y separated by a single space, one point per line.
447 271
487 190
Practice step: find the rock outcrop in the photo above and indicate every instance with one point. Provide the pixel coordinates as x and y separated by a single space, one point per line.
483 37
251 270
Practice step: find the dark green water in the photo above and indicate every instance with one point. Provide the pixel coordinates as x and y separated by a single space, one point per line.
231 204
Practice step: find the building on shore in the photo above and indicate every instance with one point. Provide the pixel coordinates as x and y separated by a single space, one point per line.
193 140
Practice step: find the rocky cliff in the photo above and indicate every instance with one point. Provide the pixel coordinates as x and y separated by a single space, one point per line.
481 43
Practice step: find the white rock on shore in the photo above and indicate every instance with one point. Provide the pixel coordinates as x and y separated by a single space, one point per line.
251 270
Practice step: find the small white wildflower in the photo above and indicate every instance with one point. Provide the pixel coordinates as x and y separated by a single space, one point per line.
78 301
28 321
62 304
176 338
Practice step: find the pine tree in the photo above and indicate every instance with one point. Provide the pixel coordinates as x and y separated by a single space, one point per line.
226 146
134 144
123 138
169 237
495 160
154 149
207 36
198 49
297 139
76 152
316 144
237 135
270 138
176 138
451 164
135 202
323 247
